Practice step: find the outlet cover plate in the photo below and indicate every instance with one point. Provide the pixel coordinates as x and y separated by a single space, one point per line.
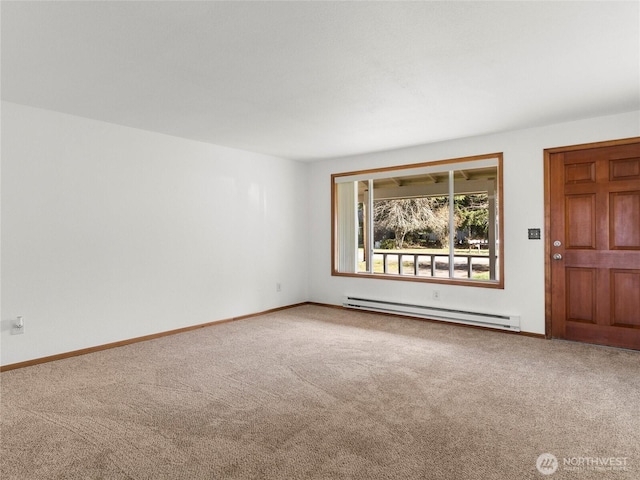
17 330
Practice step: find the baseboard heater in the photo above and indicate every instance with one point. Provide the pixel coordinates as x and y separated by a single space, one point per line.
481 319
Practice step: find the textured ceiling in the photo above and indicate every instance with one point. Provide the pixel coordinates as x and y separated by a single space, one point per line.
311 80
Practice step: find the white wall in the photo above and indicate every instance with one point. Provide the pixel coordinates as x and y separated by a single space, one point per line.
110 233
524 208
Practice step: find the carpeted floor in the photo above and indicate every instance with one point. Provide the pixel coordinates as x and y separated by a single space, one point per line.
320 393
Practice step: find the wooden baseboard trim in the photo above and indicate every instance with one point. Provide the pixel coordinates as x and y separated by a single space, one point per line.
534 335
328 305
106 346
409 317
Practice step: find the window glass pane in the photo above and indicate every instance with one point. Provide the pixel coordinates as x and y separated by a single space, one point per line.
347 227
363 226
476 223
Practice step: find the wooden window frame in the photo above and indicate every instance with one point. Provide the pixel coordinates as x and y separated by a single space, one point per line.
498 284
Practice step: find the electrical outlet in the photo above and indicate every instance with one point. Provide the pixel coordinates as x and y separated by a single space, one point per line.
18 326
436 294
278 287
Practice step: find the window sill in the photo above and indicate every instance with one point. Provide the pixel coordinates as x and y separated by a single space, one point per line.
411 278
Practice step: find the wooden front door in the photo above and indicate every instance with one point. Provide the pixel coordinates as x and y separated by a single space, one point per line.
593 282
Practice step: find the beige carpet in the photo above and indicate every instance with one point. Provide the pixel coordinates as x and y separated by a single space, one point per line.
320 393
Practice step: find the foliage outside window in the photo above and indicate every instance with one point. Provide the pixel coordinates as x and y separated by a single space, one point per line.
433 222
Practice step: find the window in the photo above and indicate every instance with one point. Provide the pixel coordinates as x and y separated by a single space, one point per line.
432 222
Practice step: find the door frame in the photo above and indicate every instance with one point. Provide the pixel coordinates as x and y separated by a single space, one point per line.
547 215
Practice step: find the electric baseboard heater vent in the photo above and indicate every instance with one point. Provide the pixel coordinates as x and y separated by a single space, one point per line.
481 319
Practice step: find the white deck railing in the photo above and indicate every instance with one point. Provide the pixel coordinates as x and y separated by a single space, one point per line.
467 262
